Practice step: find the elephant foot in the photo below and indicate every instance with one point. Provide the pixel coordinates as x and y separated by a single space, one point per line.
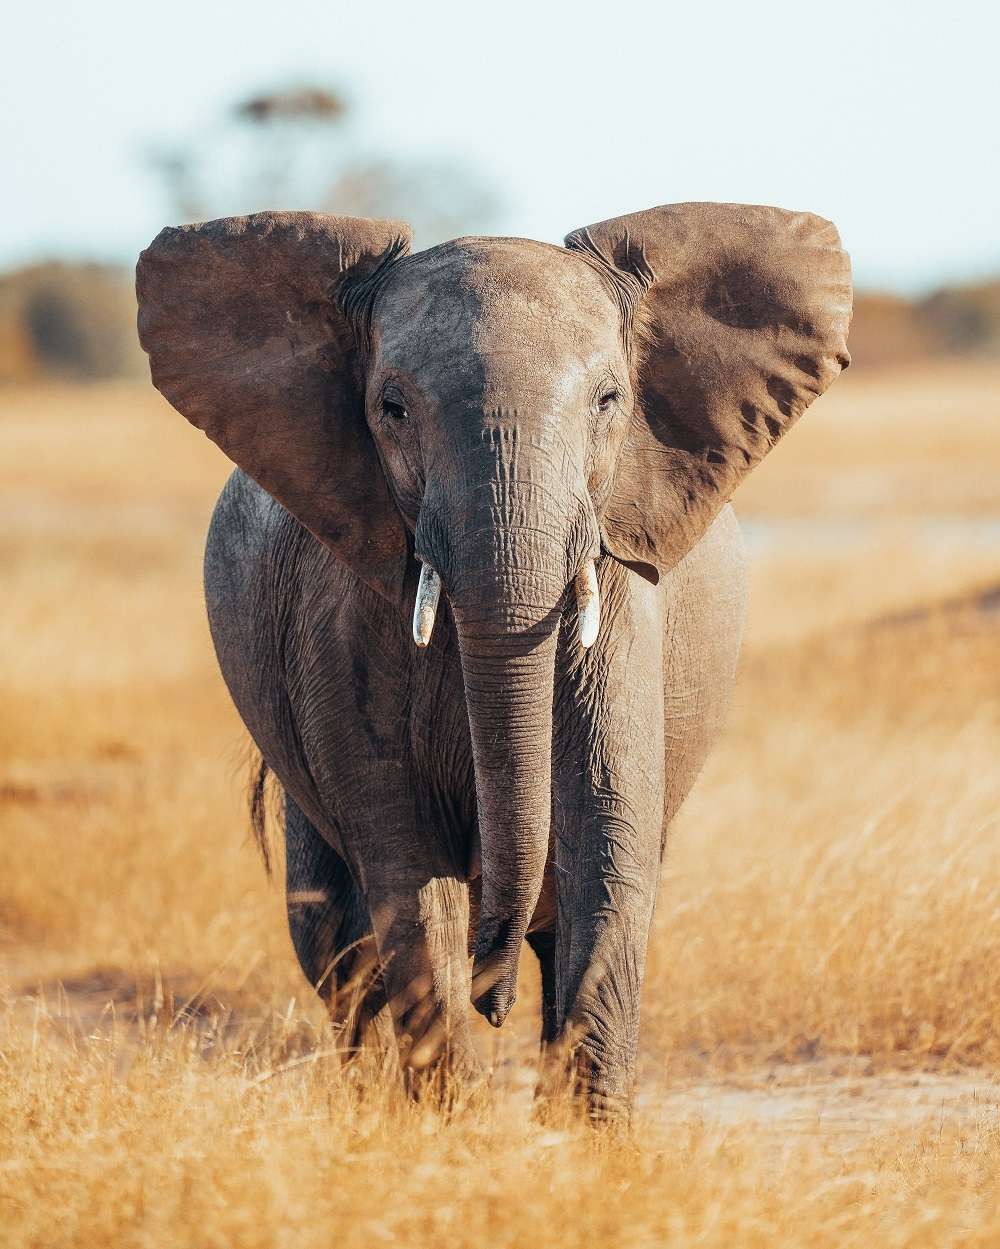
565 1107
453 1081
608 1111
437 1058
604 1090
570 1088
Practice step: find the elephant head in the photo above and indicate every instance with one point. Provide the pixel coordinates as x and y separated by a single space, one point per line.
505 411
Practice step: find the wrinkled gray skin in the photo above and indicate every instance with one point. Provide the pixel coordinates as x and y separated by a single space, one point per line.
504 784
370 736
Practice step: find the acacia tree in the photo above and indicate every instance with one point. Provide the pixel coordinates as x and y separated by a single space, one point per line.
294 148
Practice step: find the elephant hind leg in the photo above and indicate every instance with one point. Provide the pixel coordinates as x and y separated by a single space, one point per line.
332 936
555 1078
544 946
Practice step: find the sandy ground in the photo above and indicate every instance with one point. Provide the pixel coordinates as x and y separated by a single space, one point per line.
827 1099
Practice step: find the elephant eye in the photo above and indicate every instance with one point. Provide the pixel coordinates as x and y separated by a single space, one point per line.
394 410
608 399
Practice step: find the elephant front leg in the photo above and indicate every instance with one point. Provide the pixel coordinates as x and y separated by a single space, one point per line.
421 924
601 968
608 813
331 933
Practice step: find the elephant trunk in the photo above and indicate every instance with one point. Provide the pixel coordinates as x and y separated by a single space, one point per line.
506 562
508 688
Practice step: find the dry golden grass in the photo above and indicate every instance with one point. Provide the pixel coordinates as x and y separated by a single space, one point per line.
822 1022
925 441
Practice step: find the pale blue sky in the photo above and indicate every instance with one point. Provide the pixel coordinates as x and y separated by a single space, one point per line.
881 116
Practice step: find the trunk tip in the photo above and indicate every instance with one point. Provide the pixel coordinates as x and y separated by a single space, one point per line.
494 975
494 1005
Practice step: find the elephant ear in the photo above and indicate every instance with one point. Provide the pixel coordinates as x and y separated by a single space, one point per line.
741 322
246 338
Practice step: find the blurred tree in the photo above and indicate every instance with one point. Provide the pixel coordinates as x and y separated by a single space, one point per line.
292 148
295 103
70 321
966 318
441 200
288 148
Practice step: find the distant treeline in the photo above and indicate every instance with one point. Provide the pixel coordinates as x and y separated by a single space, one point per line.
955 320
76 322
69 322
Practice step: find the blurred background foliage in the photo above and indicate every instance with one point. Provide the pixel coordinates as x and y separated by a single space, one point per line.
290 148
294 147
68 322
76 322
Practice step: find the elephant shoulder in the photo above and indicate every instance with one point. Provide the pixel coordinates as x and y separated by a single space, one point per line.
249 531
243 521
704 610
259 560
710 582
704 615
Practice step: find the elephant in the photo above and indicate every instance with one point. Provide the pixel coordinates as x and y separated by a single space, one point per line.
475 584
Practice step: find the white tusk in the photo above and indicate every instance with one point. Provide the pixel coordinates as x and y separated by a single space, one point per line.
588 603
425 608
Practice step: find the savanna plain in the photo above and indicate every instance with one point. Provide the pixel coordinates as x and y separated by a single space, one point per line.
821 1029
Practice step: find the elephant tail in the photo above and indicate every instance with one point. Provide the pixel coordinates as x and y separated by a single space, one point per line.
262 805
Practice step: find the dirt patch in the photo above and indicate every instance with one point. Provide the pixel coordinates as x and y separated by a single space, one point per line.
836 1100
138 1009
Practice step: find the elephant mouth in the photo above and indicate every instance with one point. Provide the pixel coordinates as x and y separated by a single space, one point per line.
588 601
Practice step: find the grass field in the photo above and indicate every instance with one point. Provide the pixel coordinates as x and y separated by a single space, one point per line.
821 1032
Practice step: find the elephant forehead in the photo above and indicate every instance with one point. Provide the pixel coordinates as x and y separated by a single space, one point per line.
497 298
